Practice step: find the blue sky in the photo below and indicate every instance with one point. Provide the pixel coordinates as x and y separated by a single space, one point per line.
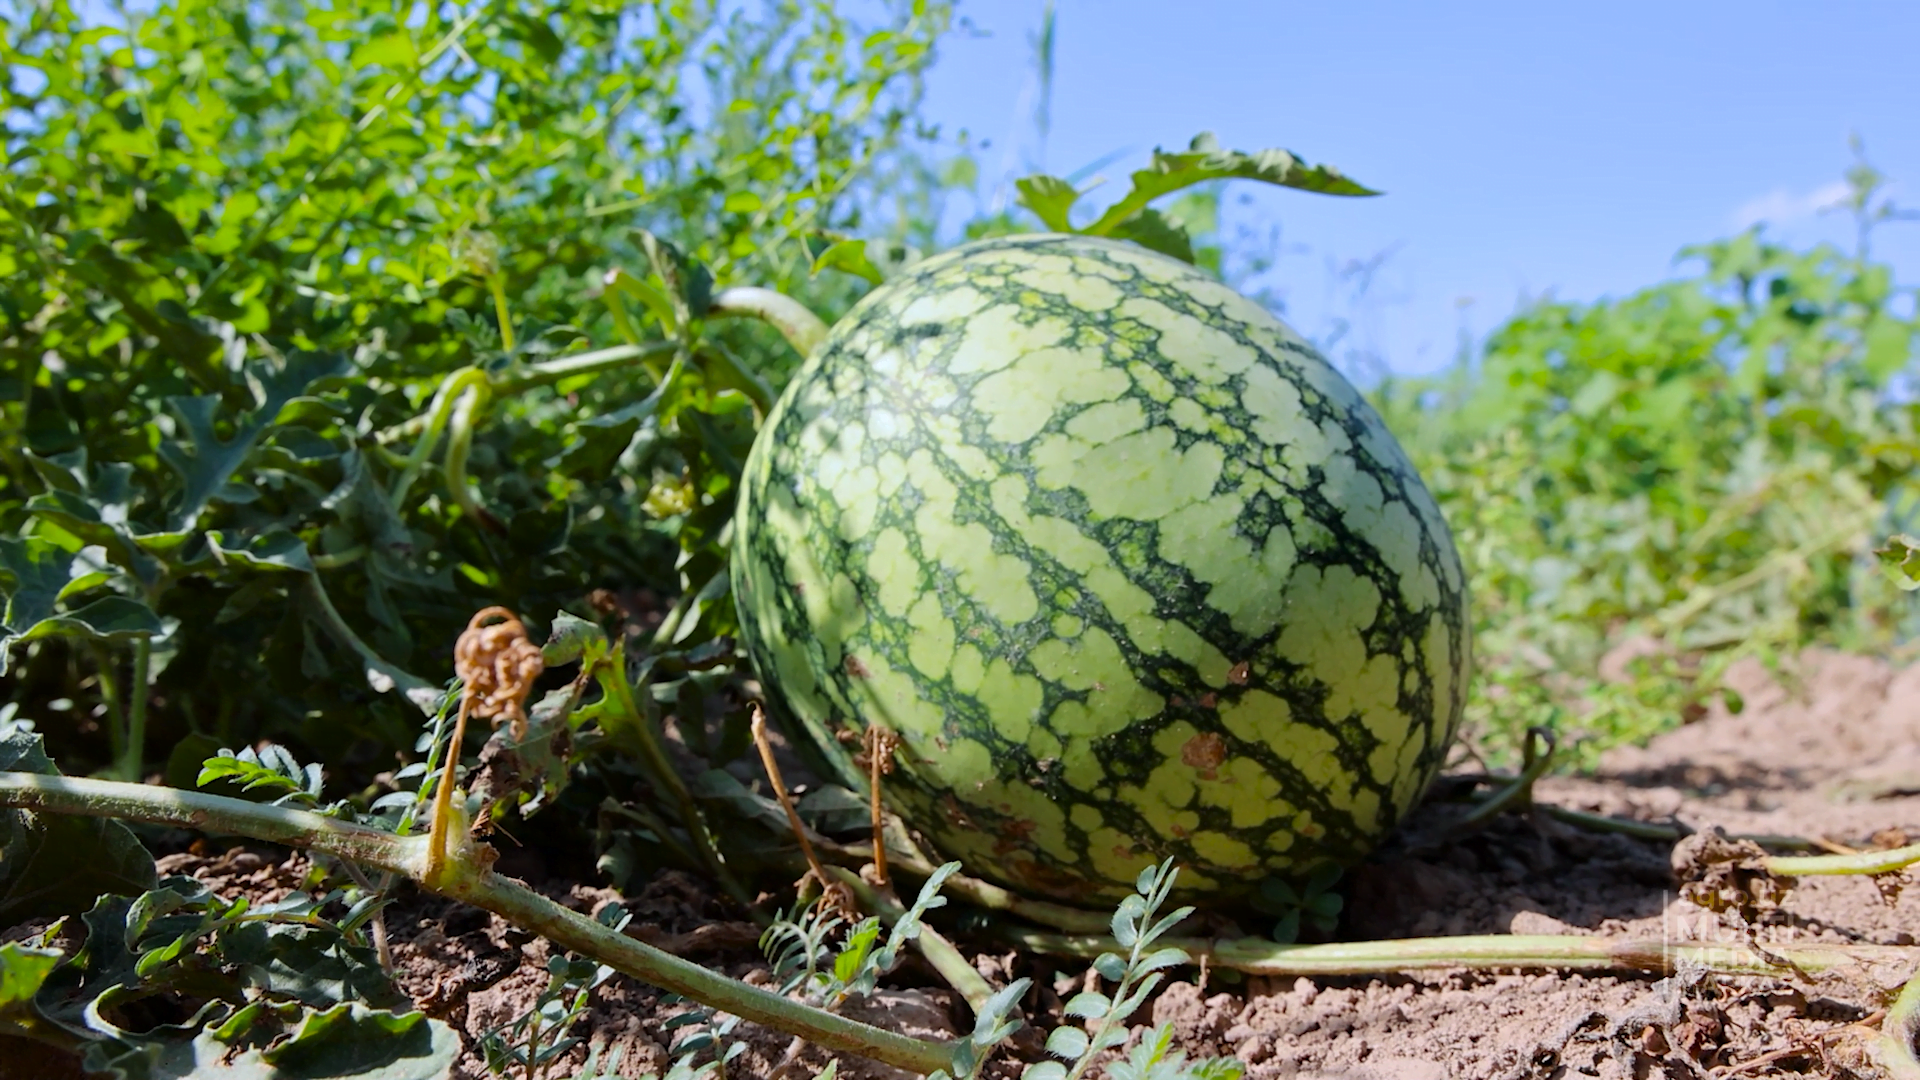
1525 148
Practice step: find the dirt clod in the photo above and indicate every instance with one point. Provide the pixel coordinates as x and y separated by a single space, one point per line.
1725 875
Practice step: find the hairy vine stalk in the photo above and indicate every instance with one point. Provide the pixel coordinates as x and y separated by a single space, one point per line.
1893 1050
1484 952
800 326
466 877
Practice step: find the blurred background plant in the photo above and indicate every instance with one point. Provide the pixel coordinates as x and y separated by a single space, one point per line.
1648 488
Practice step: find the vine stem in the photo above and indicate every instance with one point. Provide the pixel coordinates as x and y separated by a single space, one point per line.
110 695
633 728
439 413
437 839
1257 956
932 945
381 676
1893 1050
973 890
1655 830
466 414
545 373
801 327
137 691
1518 791
468 879
1864 862
548 372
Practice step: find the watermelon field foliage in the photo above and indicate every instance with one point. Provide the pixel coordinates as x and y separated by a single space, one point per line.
243 246
249 251
1674 479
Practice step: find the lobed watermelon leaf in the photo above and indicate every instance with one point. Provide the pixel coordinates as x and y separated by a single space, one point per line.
1132 217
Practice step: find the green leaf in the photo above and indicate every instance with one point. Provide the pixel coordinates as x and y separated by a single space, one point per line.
351 1040
848 256
725 787
95 503
203 461
573 638
1204 161
1900 561
110 618
1067 1042
1050 198
831 808
84 518
375 1048
991 1025
1323 879
206 463
1287 930
55 864
394 50
35 576
1162 959
852 959
275 549
1088 1005
270 767
1155 231
1888 342
22 971
1126 920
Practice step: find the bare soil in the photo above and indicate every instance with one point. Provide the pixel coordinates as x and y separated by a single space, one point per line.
1829 749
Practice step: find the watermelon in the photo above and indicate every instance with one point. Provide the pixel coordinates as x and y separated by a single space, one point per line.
1126 566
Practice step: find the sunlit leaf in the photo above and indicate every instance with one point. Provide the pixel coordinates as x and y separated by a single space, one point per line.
1204 161
848 256
1050 198
1900 559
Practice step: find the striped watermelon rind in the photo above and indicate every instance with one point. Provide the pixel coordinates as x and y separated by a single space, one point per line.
1127 566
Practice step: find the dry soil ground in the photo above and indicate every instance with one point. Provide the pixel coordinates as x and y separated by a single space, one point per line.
1832 751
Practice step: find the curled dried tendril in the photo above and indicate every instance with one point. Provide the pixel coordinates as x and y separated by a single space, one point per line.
498 665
